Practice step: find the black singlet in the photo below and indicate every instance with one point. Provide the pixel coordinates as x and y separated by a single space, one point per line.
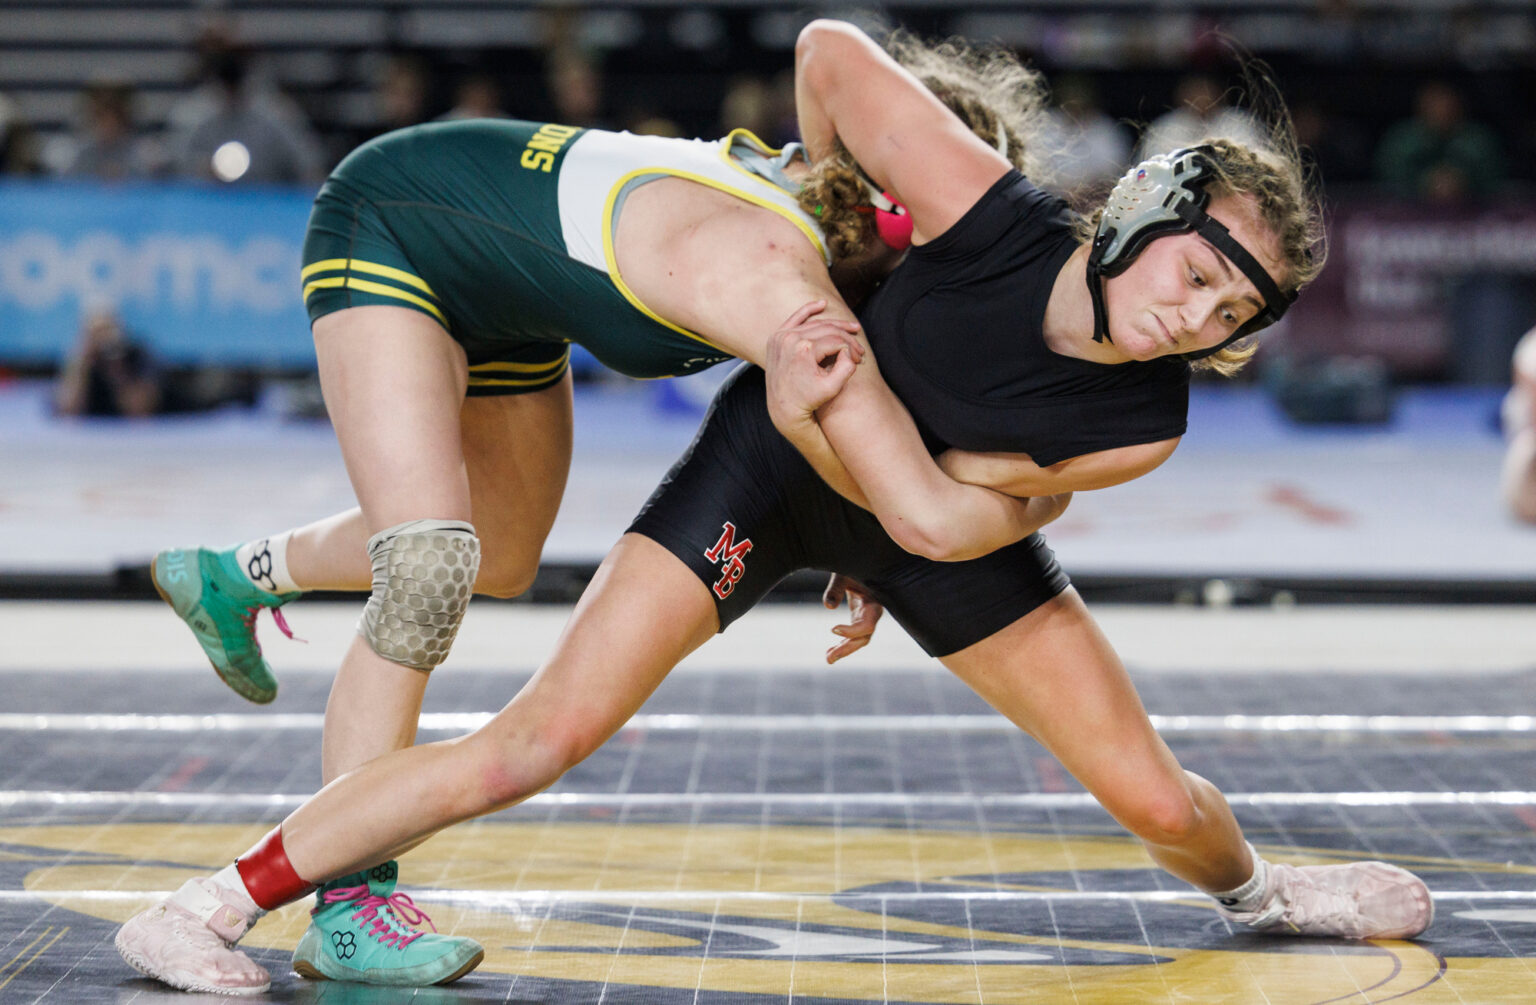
742 509
957 329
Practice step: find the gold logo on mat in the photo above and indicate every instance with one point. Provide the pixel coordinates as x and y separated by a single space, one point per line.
858 913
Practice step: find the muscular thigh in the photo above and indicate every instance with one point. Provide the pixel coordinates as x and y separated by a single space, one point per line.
518 452
394 384
641 614
742 509
1055 675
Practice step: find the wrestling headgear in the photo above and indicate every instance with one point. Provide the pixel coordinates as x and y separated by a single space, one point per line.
892 221
1166 195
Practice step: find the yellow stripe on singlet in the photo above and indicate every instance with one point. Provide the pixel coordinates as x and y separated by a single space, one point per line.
354 283
539 373
482 369
482 382
612 259
764 149
372 268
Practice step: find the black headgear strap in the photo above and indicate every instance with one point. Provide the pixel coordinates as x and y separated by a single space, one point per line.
1190 207
1276 300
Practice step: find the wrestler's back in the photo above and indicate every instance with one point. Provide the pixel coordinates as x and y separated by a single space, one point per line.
715 264
661 256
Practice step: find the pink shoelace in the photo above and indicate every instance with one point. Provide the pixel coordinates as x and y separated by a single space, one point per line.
282 623
249 617
400 905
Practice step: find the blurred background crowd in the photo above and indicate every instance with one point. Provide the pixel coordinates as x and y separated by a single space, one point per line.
1421 116
1422 99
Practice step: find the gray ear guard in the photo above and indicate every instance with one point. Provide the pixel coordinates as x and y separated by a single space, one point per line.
1166 195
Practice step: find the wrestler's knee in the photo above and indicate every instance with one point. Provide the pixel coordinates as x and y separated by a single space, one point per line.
506 780
513 763
575 738
506 579
423 574
1164 812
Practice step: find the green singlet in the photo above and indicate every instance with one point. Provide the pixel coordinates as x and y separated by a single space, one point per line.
501 231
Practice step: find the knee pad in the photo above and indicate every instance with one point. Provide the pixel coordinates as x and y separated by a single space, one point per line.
423 576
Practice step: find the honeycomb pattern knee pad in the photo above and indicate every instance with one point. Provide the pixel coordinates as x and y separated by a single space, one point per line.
423 576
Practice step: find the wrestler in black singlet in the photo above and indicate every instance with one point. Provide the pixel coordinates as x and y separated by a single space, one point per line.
957 330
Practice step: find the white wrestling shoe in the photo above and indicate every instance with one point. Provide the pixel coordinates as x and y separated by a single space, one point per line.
187 941
1360 900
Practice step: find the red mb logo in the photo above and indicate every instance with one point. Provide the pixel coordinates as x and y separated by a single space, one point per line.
730 553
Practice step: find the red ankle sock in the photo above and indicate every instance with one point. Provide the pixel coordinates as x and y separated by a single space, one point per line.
269 876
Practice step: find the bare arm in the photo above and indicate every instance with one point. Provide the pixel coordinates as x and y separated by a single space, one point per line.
848 88
1519 475
807 365
862 441
1017 474
859 437
1518 478
924 510
732 288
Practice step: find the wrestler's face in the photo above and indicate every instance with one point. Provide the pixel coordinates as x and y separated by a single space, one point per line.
1182 295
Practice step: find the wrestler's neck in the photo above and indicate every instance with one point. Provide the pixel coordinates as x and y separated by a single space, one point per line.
1068 329
857 275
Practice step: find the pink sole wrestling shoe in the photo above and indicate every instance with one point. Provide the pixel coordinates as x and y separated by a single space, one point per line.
187 941
1360 900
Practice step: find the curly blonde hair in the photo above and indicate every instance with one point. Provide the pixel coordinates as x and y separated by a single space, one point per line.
1276 180
997 96
1003 102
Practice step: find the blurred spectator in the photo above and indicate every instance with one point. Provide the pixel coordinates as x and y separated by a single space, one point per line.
235 129
402 92
478 96
781 101
107 146
645 122
1437 155
400 96
767 107
1200 112
108 373
1439 158
576 88
1085 149
18 143
1519 481
1338 147
748 104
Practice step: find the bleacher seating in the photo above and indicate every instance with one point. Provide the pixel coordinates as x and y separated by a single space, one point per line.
677 56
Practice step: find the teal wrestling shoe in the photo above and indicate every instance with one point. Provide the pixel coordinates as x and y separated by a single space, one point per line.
212 595
362 930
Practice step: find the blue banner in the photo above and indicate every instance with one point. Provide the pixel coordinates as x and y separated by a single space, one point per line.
199 274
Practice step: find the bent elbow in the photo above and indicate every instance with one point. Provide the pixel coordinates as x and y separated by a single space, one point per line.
816 47
818 30
938 543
